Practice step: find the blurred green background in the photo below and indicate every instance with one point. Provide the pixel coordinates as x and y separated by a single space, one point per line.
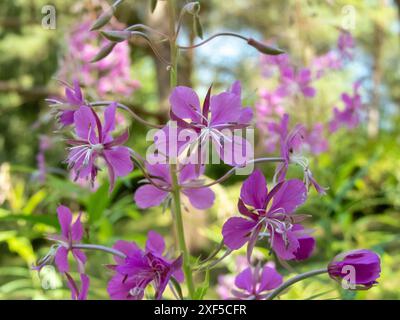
361 167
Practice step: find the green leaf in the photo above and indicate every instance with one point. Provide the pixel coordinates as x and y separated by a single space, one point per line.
98 203
202 290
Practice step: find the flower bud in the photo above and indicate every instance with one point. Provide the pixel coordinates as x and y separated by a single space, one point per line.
104 18
153 5
192 8
360 268
116 36
104 52
263 48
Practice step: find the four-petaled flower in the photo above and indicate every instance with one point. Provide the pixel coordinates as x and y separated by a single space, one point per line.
94 141
216 122
142 267
66 108
270 214
71 233
254 283
154 194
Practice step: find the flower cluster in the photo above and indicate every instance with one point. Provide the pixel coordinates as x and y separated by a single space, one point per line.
82 47
296 83
177 163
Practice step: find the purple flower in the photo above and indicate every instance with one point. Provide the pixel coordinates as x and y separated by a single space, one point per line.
66 108
315 139
292 144
82 47
71 233
151 195
94 141
227 281
350 115
142 267
346 44
216 121
365 264
327 61
300 81
269 214
254 283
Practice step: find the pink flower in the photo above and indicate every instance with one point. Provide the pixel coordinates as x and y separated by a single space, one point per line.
215 122
346 44
71 233
150 195
66 108
254 283
142 267
293 82
94 141
269 214
350 115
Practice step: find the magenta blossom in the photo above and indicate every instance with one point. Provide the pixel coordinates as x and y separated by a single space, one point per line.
215 122
269 214
365 264
66 108
315 140
142 267
71 233
350 115
254 283
151 195
292 145
297 81
227 281
94 141
346 45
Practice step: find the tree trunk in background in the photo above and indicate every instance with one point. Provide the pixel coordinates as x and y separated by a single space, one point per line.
374 108
158 21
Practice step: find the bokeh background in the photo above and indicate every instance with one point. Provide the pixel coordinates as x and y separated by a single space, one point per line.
359 165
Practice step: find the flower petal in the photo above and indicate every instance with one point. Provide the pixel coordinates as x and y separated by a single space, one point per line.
185 103
291 194
254 190
225 107
270 279
120 159
244 280
149 196
237 231
65 220
202 198
155 243
61 259
77 229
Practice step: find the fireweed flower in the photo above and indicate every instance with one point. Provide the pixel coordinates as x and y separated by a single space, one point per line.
142 267
292 145
366 264
65 109
150 195
270 214
254 283
346 45
94 141
71 233
293 81
227 281
216 121
350 115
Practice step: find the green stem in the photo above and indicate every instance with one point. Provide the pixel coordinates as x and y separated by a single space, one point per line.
173 167
294 280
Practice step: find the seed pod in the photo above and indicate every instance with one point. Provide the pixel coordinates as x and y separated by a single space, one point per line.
263 48
104 18
116 36
104 52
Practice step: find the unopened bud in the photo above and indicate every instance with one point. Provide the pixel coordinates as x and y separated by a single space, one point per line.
153 5
263 48
192 8
116 36
104 52
104 18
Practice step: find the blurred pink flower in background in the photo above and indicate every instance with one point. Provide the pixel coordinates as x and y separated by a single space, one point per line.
110 75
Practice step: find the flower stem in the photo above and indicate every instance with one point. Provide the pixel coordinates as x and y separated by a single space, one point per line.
294 280
99 248
173 167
